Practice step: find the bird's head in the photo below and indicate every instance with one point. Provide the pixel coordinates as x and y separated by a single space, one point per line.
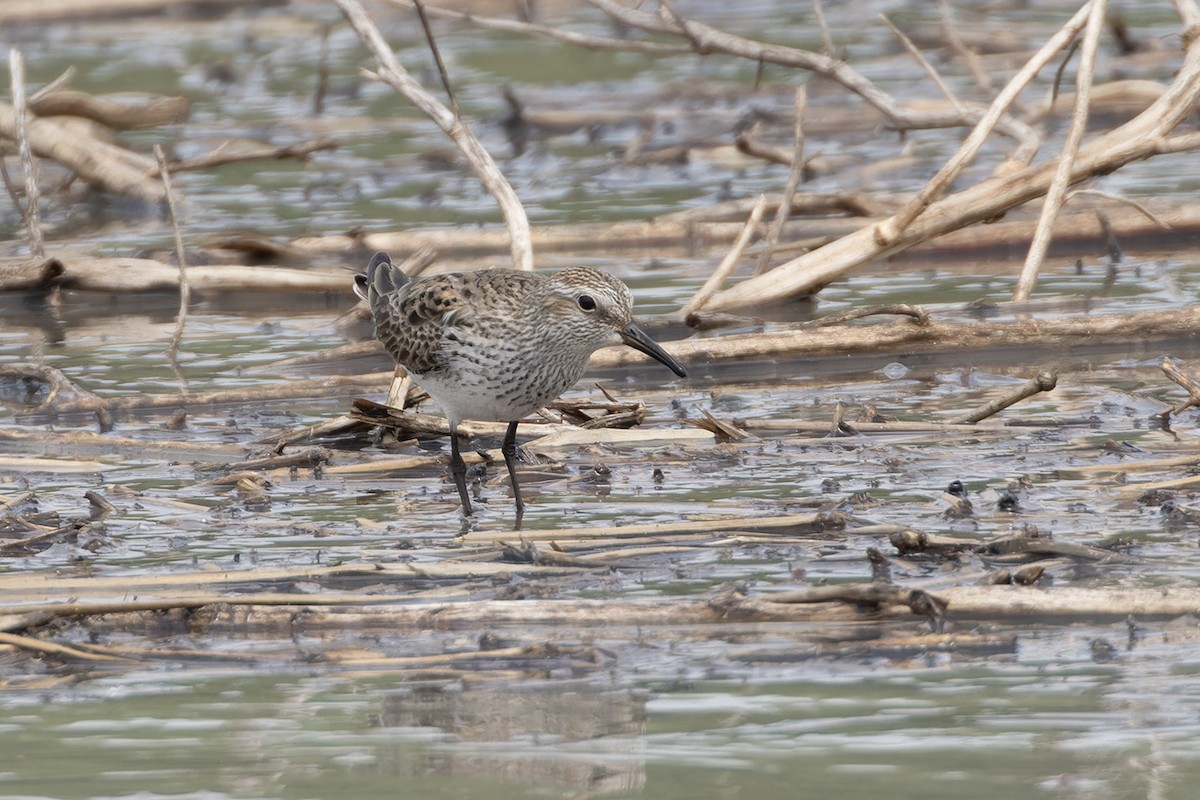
593 310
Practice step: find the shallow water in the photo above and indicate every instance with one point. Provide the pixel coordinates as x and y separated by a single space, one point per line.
1095 711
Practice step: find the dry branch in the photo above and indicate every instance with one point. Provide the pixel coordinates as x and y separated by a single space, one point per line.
1042 382
121 116
795 175
1057 192
147 275
101 165
1143 137
482 163
729 262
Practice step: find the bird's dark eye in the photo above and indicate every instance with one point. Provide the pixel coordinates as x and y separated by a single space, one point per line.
587 302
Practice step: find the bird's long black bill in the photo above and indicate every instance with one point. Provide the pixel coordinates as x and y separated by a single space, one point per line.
636 338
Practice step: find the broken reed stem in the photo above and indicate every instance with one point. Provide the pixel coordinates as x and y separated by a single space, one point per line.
1190 385
185 291
723 270
16 68
889 230
437 57
795 175
1057 192
924 64
1044 382
482 164
1116 198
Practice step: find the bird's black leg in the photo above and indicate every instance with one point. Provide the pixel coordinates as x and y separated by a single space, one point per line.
509 448
458 470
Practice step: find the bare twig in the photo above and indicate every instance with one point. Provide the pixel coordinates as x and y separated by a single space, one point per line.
62 80
1116 198
318 106
1066 161
723 270
185 292
16 67
795 174
392 73
437 56
1043 382
225 154
924 64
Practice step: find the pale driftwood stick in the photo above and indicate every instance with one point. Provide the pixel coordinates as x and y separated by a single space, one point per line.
1191 385
144 275
99 164
729 262
1017 603
373 612
398 391
792 523
795 175
1043 382
888 232
220 157
1056 193
915 52
484 166
30 585
125 116
58 650
548 32
1150 465
16 67
185 292
1129 490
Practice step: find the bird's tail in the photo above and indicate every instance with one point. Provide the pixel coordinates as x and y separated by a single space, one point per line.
382 278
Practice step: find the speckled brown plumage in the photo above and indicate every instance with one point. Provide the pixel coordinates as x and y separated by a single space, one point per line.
499 344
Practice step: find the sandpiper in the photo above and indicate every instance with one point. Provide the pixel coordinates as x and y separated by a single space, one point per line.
498 344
